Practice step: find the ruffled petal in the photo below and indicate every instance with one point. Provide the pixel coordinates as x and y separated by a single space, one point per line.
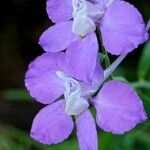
122 28
58 37
119 109
81 57
52 125
41 79
86 131
59 10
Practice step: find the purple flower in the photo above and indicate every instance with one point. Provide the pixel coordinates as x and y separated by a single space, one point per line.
121 26
119 109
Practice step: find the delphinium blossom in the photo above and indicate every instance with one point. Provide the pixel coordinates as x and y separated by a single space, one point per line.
121 25
118 107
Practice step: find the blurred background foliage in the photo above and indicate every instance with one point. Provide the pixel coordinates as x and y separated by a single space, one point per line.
21 24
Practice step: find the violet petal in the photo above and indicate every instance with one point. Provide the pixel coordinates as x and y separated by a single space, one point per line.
41 79
52 125
81 57
58 37
59 10
119 108
86 131
122 28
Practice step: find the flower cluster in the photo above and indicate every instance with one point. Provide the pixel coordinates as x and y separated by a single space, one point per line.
70 68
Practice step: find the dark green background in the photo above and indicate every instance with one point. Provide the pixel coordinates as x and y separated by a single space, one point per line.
21 24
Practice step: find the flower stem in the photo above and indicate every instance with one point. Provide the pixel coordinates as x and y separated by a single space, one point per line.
107 61
109 68
141 84
106 58
113 66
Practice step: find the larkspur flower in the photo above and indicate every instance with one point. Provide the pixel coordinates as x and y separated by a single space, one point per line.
121 25
119 109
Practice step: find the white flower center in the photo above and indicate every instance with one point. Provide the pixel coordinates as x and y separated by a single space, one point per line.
85 16
75 104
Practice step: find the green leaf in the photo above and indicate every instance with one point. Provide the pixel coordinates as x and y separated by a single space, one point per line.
25 141
105 139
15 95
144 63
9 142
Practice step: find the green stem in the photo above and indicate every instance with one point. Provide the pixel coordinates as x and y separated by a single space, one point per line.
107 61
108 71
100 41
141 84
